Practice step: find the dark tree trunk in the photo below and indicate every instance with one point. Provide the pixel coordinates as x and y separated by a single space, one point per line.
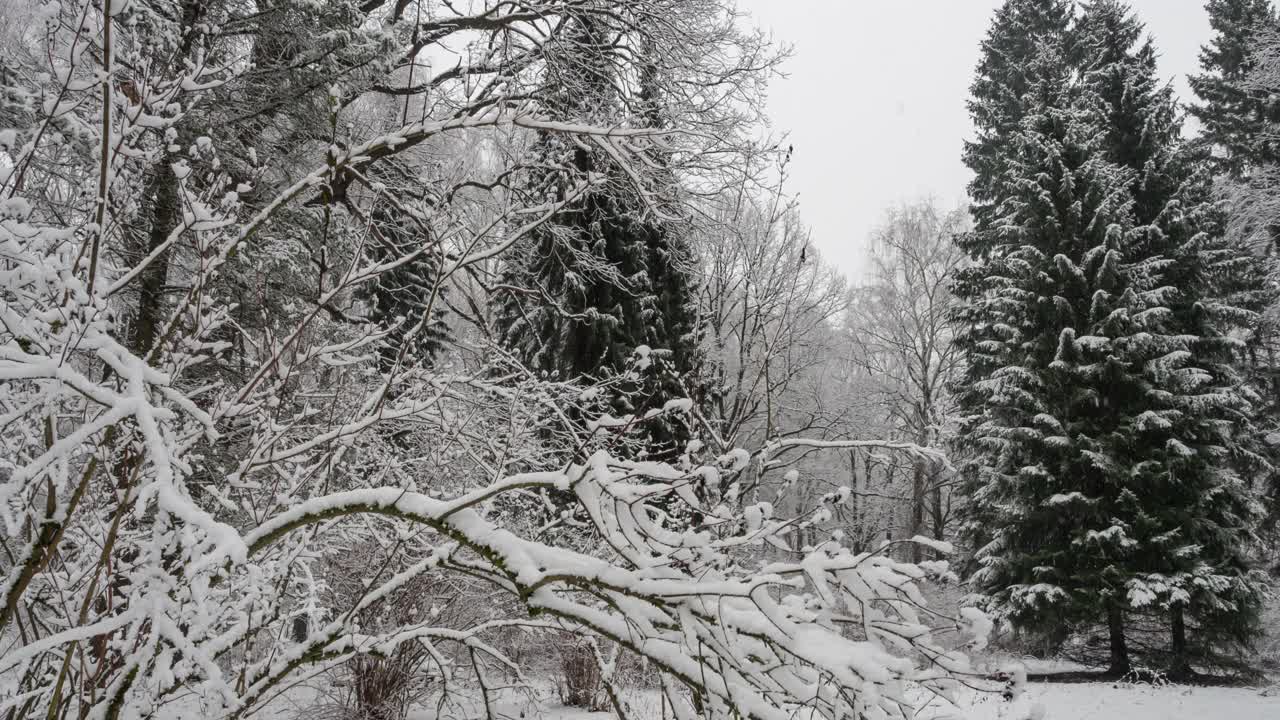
855 509
917 508
1119 646
1180 665
937 509
164 214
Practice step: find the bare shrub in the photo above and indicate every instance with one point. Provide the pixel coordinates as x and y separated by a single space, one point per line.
581 684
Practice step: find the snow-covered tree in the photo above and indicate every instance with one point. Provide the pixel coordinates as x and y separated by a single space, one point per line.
901 332
998 103
1253 204
1233 116
1211 444
1034 421
1113 432
612 272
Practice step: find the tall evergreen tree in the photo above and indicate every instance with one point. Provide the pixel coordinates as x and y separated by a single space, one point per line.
1253 222
1035 390
1190 467
406 300
608 275
998 103
1232 118
1239 118
1106 413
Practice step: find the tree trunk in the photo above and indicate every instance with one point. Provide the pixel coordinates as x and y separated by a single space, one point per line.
937 510
164 218
1119 647
1180 665
855 533
917 508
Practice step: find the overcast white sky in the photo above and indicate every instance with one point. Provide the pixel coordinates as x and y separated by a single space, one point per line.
875 100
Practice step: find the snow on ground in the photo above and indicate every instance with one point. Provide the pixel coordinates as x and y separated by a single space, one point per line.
1113 701
1057 701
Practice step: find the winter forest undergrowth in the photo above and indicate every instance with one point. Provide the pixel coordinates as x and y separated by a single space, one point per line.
388 359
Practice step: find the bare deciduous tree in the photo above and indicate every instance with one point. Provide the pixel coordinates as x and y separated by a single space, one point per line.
900 333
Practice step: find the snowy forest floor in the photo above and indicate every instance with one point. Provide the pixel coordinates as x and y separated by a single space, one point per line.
1063 698
1040 701
1079 701
1115 701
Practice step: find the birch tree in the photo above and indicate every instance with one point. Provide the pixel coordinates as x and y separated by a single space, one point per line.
900 331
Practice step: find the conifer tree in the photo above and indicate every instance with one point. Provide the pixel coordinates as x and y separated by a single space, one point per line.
1109 424
406 300
1034 387
1239 117
608 276
1253 223
1190 467
997 105
1232 118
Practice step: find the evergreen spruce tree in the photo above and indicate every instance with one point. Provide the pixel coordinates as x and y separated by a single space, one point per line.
405 301
1232 118
998 93
1192 454
1240 118
1111 427
998 106
607 276
1041 307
